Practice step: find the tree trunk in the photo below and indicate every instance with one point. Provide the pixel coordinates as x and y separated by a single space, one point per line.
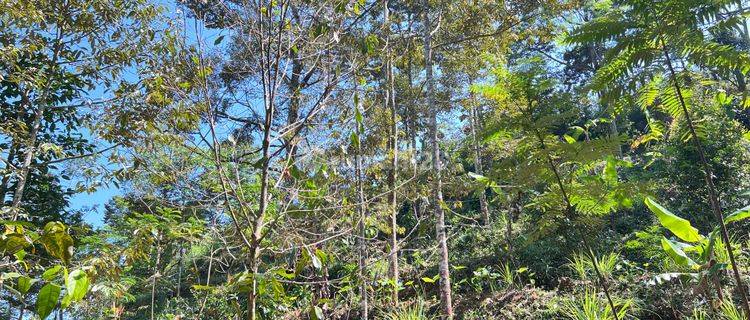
179 272
473 123
437 201
513 207
260 216
362 216
708 176
28 157
390 104
153 280
35 126
6 179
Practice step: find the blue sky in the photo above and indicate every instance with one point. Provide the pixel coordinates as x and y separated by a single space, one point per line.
92 204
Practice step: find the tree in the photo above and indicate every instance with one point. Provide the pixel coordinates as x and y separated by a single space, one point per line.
648 35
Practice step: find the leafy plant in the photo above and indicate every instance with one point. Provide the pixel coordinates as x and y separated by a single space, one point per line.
590 306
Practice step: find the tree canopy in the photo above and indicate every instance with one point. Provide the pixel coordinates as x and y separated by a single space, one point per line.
290 159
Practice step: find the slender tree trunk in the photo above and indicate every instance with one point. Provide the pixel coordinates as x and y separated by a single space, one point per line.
260 216
153 279
362 216
473 123
512 207
708 176
390 104
35 126
6 178
295 86
28 157
179 272
437 201
208 278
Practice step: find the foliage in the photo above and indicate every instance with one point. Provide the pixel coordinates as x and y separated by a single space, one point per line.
374 159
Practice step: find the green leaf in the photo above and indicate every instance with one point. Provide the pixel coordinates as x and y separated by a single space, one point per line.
480 178
679 226
57 241
610 171
17 223
738 215
428 280
14 242
316 313
675 252
708 247
76 286
315 260
218 40
200 287
20 254
285 274
569 139
51 273
354 138
24 284
358 116
47 300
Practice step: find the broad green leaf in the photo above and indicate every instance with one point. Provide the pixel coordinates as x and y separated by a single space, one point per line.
24 284
679 226
47 300
51 273
428 280
76 286
13 242
675 252
316 313
285 274
738 215
480 178
316 262
569 139
57 241
610 171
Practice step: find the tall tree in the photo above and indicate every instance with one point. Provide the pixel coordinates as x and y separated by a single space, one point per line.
654 33
437 193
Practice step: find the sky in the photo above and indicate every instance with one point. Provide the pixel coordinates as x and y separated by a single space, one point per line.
92 204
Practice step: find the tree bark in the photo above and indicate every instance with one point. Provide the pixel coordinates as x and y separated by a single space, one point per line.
437 196
362 216
30 152
154 277
390 104
28 157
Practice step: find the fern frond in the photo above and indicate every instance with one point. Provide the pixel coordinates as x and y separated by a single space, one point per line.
603 29
648 94
631 60
715 55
